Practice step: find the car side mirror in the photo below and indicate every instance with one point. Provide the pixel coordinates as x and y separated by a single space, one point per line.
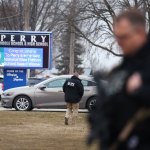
42 87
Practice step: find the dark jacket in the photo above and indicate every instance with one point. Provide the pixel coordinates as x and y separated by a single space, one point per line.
125 105
73 90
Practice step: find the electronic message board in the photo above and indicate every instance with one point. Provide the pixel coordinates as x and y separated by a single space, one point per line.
25 50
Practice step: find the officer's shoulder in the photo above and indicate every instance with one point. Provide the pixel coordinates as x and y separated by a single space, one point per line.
67 80
115 69
78 81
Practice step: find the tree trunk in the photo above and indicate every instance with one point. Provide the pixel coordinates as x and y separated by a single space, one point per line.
26 15
72 36
72 47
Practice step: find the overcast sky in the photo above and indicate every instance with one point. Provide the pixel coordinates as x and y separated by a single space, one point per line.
100 60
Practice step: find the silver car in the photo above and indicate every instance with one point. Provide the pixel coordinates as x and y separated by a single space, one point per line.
47 94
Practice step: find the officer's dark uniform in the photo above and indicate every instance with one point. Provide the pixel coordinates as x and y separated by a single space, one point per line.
73 90
124 106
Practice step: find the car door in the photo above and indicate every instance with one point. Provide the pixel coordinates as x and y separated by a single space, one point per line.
52 96
86 88
89 91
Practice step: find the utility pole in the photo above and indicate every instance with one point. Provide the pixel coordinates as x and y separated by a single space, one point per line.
72 38
26 15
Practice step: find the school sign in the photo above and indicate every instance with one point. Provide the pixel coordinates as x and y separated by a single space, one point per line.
24 50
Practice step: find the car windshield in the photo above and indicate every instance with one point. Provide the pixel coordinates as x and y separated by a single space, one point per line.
34 81
43 82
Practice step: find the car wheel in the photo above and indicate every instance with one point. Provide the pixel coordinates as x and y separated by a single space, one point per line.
23 103
91 103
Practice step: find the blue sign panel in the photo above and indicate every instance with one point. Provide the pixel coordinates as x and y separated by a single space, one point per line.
14 78
23 57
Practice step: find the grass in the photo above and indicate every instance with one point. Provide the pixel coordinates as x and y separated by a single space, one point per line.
41 131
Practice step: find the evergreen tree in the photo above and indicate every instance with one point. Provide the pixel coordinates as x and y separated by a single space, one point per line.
63 62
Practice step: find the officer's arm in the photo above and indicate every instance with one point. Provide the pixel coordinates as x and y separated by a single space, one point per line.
145 72
143 93
64 86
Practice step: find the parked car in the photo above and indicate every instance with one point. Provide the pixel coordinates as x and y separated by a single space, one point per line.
47 94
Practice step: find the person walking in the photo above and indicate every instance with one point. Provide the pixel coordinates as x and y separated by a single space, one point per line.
73 89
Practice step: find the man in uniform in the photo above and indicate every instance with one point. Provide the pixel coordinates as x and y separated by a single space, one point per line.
131 35
73 90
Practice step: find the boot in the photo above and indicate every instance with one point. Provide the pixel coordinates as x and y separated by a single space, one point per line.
66 121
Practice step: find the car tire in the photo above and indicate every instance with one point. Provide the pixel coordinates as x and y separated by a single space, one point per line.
23 103
91 103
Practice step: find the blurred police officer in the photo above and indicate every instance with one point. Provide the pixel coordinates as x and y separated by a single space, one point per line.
73 90
131 35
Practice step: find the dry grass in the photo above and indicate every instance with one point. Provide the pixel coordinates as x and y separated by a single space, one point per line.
41 131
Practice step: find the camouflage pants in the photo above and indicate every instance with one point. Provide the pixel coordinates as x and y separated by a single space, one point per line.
72 112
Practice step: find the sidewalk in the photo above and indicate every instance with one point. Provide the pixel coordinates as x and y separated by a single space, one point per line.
46 110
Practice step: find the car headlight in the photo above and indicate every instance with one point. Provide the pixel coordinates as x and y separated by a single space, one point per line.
7 94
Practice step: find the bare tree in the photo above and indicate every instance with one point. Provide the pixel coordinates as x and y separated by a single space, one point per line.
93 19
43 14
97 16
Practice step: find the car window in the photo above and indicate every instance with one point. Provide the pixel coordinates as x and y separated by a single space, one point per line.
88 83
84 82
55 83
34 81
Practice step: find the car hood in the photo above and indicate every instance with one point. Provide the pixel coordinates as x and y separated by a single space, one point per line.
19 89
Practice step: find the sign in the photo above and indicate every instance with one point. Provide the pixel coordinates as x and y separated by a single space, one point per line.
31 49
14 78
